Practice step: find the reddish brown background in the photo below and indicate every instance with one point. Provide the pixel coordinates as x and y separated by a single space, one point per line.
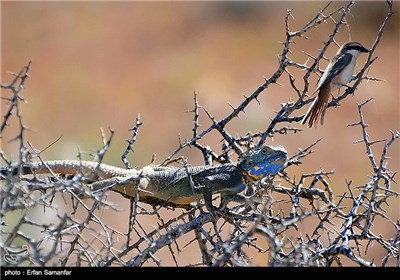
100 64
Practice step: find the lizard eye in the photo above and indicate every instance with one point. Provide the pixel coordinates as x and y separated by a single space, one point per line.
265 150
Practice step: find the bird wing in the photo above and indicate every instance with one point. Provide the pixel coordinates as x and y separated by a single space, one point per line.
338 64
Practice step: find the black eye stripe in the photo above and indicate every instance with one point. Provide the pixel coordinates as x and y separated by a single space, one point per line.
355 47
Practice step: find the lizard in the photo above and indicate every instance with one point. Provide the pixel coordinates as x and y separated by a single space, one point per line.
172 185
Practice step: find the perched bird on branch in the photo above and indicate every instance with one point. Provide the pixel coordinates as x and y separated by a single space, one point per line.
337 74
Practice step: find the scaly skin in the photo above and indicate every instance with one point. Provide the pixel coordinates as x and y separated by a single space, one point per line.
90 169
171 184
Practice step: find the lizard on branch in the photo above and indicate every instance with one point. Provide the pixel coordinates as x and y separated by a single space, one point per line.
179 186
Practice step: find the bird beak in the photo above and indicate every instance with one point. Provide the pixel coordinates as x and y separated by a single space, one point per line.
364 50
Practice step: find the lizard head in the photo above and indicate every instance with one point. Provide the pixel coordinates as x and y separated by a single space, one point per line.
263 162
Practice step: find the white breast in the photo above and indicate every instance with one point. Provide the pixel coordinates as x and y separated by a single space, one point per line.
345 76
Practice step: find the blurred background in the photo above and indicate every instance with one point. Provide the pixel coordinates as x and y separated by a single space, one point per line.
100 64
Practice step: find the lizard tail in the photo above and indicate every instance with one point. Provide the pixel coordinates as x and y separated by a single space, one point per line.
91 170
317 108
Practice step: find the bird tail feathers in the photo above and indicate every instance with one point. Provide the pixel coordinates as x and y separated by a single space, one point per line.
317 108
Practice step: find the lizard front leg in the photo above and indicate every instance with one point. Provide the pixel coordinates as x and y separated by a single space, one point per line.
207 194
227 184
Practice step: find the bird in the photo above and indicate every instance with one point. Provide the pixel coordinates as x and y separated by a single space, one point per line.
337 74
